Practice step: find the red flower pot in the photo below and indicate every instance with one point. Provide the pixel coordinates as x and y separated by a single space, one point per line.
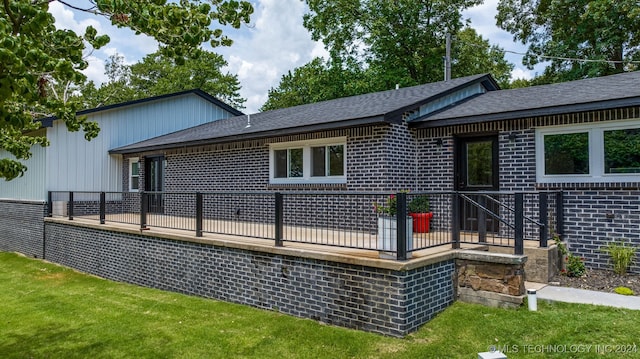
421 222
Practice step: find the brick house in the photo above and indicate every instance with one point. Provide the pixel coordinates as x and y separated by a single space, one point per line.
464 134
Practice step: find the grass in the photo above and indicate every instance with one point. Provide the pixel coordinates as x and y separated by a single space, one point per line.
48 311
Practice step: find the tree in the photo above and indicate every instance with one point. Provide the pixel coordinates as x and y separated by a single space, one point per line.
318 80
36 58
597 30
158 74
402 40
117 89
321 80
472 54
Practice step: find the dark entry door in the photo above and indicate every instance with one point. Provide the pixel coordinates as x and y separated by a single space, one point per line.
477 170
154 182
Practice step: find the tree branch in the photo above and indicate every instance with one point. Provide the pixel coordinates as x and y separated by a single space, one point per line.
92 10
16 23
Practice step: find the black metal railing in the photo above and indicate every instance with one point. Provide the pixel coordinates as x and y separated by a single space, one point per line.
359 220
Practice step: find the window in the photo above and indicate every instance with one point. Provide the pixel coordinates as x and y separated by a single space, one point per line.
327 161
566 154
134 175
288 163
622 151
600 152
315 161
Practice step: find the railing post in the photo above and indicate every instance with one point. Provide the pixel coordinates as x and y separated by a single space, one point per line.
401 214
198 214
49 204
279 203
70 206
482 219
544 218
144 203
519 223
103 207
560 213
455 221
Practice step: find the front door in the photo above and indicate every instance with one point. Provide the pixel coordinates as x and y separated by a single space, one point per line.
154 182
477 170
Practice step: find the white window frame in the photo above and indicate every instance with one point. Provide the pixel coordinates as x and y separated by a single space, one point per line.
596 153
131 162
306 161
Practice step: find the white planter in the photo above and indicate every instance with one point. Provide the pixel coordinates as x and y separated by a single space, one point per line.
388 236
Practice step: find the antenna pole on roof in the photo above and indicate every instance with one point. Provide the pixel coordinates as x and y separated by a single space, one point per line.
248 121
447 58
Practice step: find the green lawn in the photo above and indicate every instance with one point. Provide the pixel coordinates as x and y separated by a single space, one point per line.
48 311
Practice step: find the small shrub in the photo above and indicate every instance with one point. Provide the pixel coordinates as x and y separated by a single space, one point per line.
621 255
574 265
624 291
419 204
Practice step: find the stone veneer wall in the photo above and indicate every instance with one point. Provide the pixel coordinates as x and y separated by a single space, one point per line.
491 279
387 301
22 227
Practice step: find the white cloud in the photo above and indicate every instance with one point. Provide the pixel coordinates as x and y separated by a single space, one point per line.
274 44
520 73
95 71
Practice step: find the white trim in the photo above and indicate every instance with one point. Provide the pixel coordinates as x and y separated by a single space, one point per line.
596 153
131 162
306 161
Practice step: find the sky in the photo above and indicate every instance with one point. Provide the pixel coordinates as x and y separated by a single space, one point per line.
274 43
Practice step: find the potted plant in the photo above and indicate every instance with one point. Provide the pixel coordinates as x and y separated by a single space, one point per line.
418 209
388 228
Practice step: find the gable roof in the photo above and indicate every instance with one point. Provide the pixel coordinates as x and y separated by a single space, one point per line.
48 121
598 93
378 107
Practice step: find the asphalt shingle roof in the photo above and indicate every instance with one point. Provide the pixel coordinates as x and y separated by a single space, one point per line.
582 95
385 106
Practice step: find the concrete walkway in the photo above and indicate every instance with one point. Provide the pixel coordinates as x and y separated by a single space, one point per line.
581 296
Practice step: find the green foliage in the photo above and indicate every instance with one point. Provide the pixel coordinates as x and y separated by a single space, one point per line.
574 265
321 80
624 291
622 256
376 45
586 29
472 54
389 208
40 65
318 80
419 204
403 37
158 74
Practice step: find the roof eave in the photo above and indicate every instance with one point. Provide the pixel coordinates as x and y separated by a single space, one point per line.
255 135
545 111
486 80
197 92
